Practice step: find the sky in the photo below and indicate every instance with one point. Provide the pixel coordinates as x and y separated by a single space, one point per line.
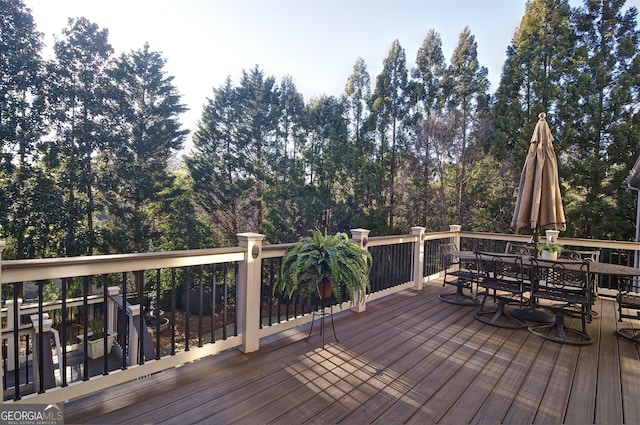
316 42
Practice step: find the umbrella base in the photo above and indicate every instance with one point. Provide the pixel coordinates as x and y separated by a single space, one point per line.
533 315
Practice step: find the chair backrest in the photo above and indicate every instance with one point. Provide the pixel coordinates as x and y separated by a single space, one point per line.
449 252
520 249
572 254
628 298
561 277
500 266
448 248
629 285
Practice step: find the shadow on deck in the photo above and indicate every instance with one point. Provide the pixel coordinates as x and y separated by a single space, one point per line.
410 358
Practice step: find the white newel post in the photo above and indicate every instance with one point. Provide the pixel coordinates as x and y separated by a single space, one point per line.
134 346
552 235
46 376
11 305
360 236
418 256
456 228
112 308
248 291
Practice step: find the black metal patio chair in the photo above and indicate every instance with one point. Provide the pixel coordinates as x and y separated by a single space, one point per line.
502 278
459 273
562 287
582 255
628 300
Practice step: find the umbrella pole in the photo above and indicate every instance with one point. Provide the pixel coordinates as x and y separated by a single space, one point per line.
530 313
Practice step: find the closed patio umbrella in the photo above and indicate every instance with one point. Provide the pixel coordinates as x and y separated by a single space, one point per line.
539 203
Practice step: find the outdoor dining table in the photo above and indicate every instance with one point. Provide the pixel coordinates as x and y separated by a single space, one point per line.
594 268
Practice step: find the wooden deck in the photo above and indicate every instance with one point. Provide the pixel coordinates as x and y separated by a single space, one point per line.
410 358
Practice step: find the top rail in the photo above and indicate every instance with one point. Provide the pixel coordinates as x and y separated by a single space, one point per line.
56 268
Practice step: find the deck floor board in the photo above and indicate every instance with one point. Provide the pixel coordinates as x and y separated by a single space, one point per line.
409 358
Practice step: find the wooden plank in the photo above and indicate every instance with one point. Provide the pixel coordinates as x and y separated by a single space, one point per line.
527 402
556 392
478 390
609 393
403 371
413 336
477 369
629 370
629 373
242 388
243 391
440 367
485 385
495 407
368 346
582 398
267 355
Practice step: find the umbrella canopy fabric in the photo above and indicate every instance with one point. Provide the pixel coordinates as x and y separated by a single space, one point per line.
539 203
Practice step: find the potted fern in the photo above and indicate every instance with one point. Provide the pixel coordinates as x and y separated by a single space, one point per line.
550 250
318 265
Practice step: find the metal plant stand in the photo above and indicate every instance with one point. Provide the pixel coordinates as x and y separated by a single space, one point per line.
322 312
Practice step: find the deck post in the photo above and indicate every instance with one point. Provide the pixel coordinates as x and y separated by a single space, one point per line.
11 305
44 377
248 291
134 343
360 236
112 308
418 256
456 237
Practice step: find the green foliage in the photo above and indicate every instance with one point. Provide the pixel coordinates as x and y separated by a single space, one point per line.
96 325
390 111
550 247
51 292
600 109
323 257
134 170
176 218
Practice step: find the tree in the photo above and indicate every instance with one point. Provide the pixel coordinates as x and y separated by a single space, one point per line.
534 77
236 152
175 214
467 86
79 99
428 103
358 94
24 208
426 171
603 104
135 167
428 76
215 164
390 107
326 156
259 111
366 195
290 125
